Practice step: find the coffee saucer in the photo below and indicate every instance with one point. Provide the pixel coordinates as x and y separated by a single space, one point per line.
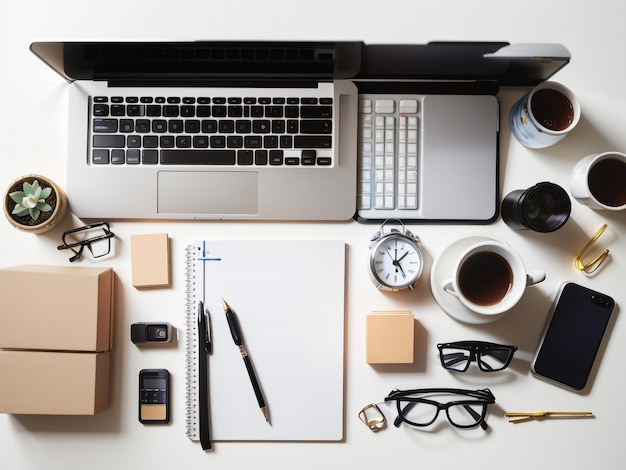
442 269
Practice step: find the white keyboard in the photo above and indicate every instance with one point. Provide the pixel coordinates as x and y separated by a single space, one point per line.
388 152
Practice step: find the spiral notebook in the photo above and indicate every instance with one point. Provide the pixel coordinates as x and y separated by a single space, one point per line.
289 299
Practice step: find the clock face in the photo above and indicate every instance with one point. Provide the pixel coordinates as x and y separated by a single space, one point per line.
396 262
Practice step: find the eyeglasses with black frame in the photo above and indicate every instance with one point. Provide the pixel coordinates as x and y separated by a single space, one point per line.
490 357
465 409
96 237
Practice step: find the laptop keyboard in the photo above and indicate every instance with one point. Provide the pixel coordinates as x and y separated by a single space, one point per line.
388 153
203 130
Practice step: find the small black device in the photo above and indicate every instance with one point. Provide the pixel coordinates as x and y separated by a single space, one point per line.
154 396
150 333
571 339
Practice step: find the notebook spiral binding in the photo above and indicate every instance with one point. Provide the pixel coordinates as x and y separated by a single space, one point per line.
191 357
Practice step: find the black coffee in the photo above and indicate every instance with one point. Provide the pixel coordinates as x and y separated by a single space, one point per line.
552 109
485 278
607 182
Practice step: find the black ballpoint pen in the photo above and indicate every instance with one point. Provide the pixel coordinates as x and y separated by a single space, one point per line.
204 348
237 338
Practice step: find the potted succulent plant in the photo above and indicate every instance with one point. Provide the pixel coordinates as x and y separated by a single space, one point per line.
35 204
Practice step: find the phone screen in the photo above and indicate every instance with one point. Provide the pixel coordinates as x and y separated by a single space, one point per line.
573 336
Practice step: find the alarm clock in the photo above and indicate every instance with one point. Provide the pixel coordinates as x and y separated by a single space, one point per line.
396 260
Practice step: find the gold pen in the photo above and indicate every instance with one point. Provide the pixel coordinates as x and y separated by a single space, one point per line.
524 416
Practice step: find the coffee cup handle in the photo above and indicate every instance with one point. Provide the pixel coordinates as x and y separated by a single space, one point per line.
535 277
449 288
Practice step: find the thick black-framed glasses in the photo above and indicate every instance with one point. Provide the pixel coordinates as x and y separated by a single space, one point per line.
490 357
420 407
96 237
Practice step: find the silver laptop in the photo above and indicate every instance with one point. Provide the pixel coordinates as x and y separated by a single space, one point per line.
209 130
289 130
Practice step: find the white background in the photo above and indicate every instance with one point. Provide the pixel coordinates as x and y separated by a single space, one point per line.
33 131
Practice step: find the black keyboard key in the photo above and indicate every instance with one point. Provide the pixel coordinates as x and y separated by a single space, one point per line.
308 157
188 111
176 126
313 112
183 141
326 101
133 141
227 126
118 110
105 125
167 141
171 111
132 99
127 125
218 111
203 111
292 112
286 141
217 141
135 110
261 126
253 141
100 157
265 100
153 110
274 111
276 157
234 142
200 141
245 157
198 157
146 99
151 141
150 157
118 157
142 126
312 142
235 111
209 126
133 157
292 161
270 141
260 157
100 109
192 126
100 99
324 161
243 126
278 126
308 100
316 126
219 100
173 100
159 126
293 125
109 141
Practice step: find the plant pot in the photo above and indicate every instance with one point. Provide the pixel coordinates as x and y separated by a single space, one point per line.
46 220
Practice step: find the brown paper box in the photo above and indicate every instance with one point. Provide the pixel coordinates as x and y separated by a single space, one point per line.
63 308
55 339
390 337
54 383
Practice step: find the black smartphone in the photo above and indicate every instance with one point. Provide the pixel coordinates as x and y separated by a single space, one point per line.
572 337
154 396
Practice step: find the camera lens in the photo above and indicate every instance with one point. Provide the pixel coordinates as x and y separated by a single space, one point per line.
544 207
156 333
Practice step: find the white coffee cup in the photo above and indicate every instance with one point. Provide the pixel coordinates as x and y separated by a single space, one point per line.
544 115
490 278
599 181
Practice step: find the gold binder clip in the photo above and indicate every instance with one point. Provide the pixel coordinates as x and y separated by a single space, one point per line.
372 417
597 261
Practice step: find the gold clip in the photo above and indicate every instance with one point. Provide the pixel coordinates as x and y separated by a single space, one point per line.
523 416
597 261
376 422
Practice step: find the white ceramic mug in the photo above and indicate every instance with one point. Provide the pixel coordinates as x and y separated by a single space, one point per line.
490 278
544 115
599 181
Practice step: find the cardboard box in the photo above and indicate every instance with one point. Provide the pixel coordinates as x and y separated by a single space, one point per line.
390 337
54 383
56 326
62 308
150 260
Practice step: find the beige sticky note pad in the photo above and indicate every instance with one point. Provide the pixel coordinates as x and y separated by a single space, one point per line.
390 337
150 260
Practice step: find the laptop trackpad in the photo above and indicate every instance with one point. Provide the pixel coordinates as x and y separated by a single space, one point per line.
208 192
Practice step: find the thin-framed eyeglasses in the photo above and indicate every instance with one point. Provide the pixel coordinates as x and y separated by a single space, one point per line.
490 357
96 237
464 408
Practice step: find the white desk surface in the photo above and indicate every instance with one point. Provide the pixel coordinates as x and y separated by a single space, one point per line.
33 97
